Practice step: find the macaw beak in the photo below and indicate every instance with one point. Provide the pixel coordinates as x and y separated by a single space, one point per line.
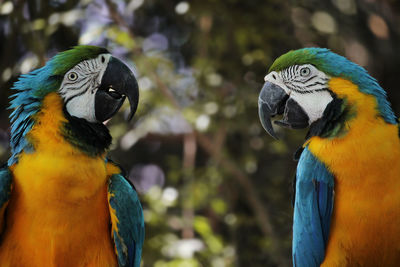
272 101
118 82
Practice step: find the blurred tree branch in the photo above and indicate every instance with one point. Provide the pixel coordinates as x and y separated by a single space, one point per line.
259 208
117 18
189 160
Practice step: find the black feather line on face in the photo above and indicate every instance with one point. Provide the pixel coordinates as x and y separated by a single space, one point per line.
316 83
300 91
309 79
72 97
91 138
322 89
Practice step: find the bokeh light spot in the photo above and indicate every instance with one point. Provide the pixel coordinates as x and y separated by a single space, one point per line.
378 26
144 177
28 64
155 41
6 8
182 7
230 111
251 166
169 195
145 83
347 7
300 17
211 108
133 5
323 22
54 18
202 122
214 79
7 73
357 53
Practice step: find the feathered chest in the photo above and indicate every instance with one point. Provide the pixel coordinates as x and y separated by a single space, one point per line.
366 166
56 164
59 177
58 211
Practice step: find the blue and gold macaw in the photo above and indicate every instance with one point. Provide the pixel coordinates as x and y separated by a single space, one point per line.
63 203
347 197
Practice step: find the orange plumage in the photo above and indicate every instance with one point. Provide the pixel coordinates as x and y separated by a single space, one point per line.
365 228
67 200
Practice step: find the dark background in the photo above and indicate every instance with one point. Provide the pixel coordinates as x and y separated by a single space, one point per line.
216 190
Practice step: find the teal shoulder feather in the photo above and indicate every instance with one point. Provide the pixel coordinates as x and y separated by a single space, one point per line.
127 221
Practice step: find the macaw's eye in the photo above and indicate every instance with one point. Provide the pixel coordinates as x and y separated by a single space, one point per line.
305 71
72 76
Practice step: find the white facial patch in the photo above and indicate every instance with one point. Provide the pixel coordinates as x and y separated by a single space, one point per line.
80 84
314 104
307 86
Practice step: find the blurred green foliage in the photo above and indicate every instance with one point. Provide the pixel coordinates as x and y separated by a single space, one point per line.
216 190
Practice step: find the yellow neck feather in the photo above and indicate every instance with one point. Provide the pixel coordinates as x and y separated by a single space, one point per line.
66 173
369 139
45 134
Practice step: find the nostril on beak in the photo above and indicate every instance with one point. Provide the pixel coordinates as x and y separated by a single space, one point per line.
273 76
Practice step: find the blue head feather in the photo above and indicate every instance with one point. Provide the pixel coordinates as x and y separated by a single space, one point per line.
32 88
339 66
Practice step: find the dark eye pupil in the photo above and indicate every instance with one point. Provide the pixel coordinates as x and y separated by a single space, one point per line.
305 71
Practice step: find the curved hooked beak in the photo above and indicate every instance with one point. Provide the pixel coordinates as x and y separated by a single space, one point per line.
117 83
273 101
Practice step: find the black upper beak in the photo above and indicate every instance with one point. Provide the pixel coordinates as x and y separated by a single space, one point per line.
272 101
118 82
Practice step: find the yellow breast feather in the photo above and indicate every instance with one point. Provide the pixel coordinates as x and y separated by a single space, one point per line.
366 165
58 208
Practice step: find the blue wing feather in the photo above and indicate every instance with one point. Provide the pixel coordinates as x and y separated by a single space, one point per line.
128 232
5 192
312 211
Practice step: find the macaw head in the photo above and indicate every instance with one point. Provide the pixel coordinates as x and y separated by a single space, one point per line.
318 88
91 83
